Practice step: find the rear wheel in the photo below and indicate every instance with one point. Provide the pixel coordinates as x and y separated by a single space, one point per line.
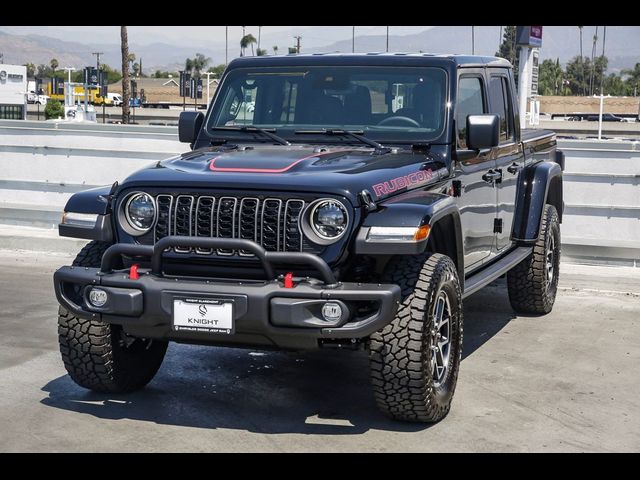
100 356
533 283
415 359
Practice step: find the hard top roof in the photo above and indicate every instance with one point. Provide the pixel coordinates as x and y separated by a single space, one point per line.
383 58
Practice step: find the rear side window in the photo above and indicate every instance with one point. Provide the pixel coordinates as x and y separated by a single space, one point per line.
500 105
470 102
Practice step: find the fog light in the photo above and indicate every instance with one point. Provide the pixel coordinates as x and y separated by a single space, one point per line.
331 312
97 297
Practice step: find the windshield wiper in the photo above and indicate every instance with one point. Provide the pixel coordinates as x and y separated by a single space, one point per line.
356 134
253 129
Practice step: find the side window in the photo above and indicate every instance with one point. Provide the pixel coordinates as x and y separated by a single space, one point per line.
470 102
500 104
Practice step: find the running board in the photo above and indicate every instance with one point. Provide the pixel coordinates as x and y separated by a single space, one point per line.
487 275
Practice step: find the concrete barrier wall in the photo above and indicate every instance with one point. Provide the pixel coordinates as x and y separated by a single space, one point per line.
44 163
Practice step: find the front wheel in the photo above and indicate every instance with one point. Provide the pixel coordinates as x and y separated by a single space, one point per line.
100 356
415 359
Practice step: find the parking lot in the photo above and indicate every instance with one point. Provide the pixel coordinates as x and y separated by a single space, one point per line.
564 382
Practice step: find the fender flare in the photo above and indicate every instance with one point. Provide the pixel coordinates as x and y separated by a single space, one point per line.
94 202
414 209
531 196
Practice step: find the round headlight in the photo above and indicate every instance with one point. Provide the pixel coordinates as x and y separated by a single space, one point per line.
329 219
140 212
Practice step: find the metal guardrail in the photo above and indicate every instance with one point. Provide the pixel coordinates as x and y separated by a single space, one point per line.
44 163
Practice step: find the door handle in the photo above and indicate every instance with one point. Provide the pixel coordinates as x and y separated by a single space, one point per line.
492 176
513 169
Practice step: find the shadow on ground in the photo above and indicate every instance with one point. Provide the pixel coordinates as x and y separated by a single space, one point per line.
324 392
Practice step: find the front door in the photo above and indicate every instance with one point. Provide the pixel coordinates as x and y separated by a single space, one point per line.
508 155
477 201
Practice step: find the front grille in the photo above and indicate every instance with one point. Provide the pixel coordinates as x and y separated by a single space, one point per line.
274 223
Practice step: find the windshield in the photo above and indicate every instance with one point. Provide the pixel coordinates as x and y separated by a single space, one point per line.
388 104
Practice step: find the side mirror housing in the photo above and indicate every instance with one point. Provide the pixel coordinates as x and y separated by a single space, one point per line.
483 131
189 126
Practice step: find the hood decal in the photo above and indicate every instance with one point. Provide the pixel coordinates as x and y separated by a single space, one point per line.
215 168
406 181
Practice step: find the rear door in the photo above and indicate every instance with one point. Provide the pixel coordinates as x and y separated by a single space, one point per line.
508 155
477 202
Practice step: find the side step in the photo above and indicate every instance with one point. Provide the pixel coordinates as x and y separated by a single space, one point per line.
487 275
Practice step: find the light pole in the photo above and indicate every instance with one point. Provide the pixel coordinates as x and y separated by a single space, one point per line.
387 39
226 45
473 40
69 70
259 36
353 39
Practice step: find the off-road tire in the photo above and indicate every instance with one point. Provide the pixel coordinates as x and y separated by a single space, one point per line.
401 353
99 356
530 288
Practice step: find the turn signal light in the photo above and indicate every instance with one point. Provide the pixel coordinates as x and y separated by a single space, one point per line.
422 233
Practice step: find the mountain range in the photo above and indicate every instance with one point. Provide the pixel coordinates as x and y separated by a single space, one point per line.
622 45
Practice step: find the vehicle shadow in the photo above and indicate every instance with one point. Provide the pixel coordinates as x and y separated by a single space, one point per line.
322 392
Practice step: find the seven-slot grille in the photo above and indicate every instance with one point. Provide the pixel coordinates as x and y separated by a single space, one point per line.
274 223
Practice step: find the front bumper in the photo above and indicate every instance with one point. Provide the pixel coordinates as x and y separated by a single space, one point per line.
265 313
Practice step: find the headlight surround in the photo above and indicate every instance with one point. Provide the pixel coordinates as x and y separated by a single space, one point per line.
328 220
139 213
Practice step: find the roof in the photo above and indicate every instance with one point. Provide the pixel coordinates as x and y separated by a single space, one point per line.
381 58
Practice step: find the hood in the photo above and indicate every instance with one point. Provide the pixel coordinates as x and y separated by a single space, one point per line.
340 170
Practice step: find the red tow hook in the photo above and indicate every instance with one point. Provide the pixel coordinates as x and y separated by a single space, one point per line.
288 280
133 272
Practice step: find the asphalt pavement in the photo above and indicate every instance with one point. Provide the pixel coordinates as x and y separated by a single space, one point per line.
567 381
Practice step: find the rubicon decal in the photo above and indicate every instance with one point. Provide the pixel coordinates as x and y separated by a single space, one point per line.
412 180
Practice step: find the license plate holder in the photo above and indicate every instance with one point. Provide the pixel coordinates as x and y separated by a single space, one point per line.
203 315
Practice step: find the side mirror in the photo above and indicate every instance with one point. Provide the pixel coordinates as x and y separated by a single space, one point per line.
483 131
189 126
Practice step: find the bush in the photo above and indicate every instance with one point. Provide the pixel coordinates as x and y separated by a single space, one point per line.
54 109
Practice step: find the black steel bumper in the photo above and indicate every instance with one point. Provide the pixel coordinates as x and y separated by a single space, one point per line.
265 313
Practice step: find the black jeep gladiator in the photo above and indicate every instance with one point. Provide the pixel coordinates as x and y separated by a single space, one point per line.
327 201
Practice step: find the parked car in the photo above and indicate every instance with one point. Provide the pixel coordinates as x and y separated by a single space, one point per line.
606 117
340 218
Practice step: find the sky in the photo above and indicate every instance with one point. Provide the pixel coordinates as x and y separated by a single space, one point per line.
188 35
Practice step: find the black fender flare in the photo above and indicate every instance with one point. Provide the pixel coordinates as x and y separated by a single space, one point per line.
414 209
536 184
95 201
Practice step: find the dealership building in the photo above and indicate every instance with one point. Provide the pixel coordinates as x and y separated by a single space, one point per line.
13 88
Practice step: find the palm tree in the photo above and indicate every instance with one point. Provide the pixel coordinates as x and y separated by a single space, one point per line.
53 64
136 69
581 59
247 40
275 49
124 48
31 69
199 63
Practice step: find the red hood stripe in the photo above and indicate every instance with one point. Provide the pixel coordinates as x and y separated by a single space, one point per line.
213 167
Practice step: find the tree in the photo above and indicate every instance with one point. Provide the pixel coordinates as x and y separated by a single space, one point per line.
136 69
575 74
551 78
53 109
218 70
113 75
633 80
261 52
200 62
508 48
54 64
246 41
275 49
31 70
124 48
